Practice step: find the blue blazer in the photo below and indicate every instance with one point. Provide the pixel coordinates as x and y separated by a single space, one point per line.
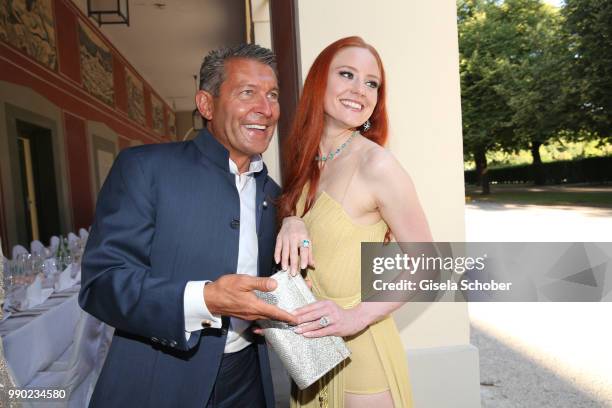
167 214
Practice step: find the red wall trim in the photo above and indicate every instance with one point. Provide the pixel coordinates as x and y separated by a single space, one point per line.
79 170
121 97
123 143
67 42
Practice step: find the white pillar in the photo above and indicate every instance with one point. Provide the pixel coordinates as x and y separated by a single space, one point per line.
418 44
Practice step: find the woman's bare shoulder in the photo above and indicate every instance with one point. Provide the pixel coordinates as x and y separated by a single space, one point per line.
378 162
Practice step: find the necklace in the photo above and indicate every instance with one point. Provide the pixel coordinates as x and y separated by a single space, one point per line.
332 155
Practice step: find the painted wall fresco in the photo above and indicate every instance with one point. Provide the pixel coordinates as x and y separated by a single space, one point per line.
29 25
158 115
96 65
135 93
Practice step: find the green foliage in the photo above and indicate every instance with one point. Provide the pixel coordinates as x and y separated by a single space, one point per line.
588 30
562 149
512 61
588 170
482 40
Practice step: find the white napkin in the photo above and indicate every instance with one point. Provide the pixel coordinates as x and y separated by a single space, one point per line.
64 280
35 294
76 272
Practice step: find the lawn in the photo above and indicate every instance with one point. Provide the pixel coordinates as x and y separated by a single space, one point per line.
578 198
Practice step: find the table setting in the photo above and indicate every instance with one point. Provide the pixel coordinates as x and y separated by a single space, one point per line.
31 279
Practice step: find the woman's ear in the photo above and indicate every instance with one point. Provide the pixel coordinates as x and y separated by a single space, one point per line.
205 104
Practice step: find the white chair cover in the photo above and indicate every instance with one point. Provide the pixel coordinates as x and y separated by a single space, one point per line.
54 243
72 239
37 248
83 234
18 250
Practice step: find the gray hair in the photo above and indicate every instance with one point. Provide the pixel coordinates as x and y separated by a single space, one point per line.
212 71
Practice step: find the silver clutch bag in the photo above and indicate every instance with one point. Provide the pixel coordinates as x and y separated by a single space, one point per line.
306 359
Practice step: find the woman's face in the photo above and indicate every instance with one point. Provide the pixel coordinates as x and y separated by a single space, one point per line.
352 88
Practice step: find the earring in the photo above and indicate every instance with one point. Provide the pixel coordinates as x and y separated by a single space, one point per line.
366 125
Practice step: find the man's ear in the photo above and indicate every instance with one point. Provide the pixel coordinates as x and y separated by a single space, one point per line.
205 104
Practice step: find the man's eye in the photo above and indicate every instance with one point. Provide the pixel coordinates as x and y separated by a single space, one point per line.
372 84
273 96
347 74
247 92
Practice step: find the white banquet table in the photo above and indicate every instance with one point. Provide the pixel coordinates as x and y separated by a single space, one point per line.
35 338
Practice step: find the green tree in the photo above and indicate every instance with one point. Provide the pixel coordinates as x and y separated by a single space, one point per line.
514 78
588 26
536 77
485 110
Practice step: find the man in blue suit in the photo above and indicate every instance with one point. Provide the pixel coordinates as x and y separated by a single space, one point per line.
183 233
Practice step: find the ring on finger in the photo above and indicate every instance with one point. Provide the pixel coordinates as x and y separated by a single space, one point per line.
306 243
324 321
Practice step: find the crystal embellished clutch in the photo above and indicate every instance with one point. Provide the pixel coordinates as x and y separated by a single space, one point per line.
306 359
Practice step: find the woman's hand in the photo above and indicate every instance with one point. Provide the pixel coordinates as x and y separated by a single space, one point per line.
326 318
290 250
258 330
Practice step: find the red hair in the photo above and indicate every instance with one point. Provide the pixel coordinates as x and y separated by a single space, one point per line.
302 145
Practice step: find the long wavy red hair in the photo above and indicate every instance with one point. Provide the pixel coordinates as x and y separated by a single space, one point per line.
302 144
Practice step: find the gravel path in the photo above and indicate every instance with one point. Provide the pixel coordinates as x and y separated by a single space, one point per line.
544 355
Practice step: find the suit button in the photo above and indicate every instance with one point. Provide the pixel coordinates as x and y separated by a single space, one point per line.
264 204
224 331
154 339
163 342
235 224
173 343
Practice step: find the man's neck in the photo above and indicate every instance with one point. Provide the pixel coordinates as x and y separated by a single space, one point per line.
243 163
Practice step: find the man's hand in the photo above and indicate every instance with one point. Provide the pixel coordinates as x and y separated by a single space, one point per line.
232 295
258 330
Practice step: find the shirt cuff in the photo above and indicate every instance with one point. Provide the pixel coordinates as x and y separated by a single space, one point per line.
197 315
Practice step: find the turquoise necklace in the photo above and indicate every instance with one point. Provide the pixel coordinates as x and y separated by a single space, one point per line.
332 155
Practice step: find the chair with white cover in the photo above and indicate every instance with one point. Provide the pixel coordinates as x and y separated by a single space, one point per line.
19 250
72 239
82 364
54 243
83 234
37 248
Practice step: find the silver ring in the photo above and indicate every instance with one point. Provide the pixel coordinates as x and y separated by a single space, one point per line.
306 243
324 321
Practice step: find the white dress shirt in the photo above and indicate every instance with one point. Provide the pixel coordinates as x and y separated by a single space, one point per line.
238 335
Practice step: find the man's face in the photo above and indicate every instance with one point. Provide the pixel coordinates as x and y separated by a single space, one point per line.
245 113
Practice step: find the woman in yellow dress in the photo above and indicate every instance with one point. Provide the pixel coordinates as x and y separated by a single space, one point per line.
342 187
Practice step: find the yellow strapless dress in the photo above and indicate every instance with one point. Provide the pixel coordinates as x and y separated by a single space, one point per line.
378 360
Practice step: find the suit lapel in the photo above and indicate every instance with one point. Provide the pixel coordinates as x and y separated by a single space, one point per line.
260 197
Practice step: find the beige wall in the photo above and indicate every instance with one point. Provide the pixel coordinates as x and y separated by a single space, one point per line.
263 37
418 44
